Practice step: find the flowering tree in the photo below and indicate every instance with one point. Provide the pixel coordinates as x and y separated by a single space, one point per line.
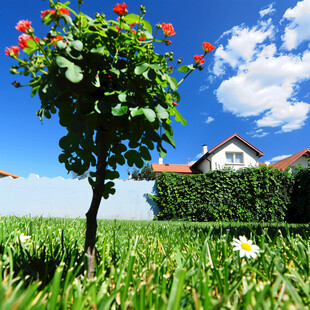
113 93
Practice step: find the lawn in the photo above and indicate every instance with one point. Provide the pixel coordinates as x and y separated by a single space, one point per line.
152 265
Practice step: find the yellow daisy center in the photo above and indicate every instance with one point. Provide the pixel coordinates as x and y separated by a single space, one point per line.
246 246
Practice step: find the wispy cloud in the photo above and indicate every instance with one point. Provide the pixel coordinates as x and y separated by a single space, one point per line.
267 11
278 158
209 120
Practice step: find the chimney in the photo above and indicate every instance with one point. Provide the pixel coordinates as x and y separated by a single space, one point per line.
160 160
204 149
267 162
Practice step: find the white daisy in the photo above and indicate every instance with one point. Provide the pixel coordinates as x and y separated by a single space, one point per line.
245 247
24 238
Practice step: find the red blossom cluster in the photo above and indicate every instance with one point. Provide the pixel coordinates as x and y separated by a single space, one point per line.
120 9
142 38
168 29
13 50
198 59
168 42
207 47
53 12
22 40
23 25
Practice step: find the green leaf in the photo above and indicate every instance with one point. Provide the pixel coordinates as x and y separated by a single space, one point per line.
73 72
32 44
61 45
77 45
145 154
179 118
122 97
99 50
141 68
29 50
172 82
119 110
161 112
149 114
116 71
161 151
184 69
147 25
131 18
176 96
135 111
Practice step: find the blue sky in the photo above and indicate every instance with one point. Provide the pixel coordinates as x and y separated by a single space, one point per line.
256 83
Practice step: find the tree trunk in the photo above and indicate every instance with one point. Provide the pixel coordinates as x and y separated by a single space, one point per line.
98 190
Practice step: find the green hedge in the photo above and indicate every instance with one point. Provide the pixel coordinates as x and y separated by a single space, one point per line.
247 195
299 211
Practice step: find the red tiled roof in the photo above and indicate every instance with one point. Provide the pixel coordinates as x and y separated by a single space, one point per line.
235 135
7 174
284 163
182 169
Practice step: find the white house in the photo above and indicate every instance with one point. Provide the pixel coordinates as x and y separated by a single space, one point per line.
234 152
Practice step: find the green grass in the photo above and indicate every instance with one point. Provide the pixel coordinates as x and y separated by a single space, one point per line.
152 265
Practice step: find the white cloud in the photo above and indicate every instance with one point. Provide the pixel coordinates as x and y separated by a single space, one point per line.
209 120
278 158
265 83
298 29
268 10
259 133
241 46
203 87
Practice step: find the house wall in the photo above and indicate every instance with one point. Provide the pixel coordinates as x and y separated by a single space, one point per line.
218 159
301 160
58 197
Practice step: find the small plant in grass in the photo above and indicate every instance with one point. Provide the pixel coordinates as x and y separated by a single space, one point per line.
113 92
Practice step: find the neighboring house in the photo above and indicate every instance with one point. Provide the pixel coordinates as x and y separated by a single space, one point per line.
4 174
293 161
234 152
181 169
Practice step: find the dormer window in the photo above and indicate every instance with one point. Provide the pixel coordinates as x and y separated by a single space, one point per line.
234 158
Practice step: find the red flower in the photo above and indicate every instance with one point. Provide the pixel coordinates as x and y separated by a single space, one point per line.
168 29
22 40
64 11
13 50
207 47
170 67
57 38
202 61
175 104
198 59
168 42
120 9
133 31
131 25
142 38
61 10
23 25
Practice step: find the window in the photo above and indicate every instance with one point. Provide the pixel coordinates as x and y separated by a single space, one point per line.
234 158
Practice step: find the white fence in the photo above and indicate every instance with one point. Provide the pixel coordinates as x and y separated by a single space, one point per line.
60 197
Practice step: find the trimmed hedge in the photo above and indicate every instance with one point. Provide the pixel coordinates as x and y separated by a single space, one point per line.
248 195
299 211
